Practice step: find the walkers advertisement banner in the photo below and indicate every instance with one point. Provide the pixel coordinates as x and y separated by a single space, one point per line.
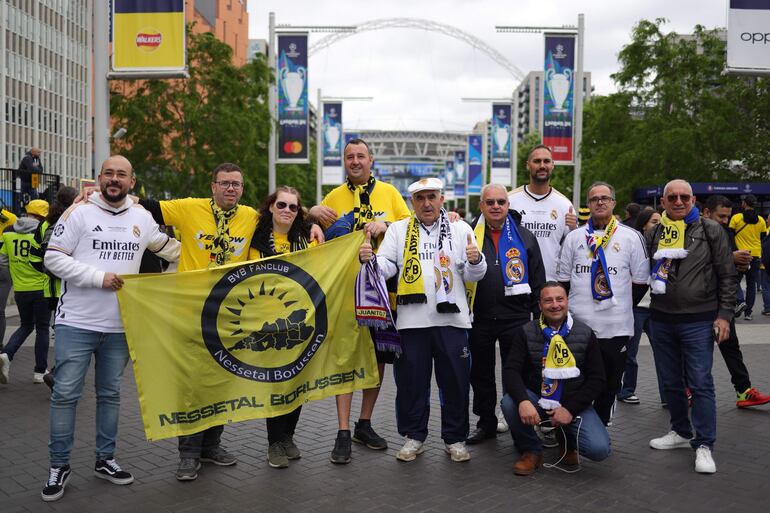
460 174
246 341
748 36
148 35
558 87
333 173
501 130
475 164
293 106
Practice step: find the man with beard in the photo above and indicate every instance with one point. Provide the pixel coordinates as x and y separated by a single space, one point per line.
92 245
544 210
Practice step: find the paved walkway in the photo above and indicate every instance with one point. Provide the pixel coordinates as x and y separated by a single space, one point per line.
634 479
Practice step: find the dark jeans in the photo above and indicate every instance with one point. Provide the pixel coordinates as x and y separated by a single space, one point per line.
482 340
191 446
752 277
33 315
614 357
687 348
641 324
5 289
282 426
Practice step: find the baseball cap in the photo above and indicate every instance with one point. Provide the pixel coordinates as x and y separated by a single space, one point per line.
426 184
38 207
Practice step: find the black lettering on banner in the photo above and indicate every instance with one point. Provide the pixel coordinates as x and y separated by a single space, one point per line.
756 37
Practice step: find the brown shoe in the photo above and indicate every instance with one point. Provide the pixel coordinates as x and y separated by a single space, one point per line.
528 463
569 457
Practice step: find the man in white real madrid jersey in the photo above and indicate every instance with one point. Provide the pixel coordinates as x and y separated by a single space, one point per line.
605 268
92 245
544 210
433 259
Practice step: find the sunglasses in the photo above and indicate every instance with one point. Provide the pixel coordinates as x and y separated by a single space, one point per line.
280 205
491 202
673 197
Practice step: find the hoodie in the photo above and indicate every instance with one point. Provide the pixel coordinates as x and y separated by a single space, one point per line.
16 255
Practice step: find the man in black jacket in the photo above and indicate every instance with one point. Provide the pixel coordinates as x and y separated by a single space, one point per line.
30 164
500 302
554 340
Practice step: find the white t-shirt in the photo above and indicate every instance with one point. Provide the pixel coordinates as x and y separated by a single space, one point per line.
390 259
90 240
627 263
544 216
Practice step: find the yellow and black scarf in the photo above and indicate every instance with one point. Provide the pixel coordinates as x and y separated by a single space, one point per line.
220 250
362 208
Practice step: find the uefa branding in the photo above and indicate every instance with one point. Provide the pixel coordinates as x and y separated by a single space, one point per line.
148 40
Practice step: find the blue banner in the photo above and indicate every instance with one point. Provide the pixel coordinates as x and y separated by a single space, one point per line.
501 135
333 172
293 106
558 87
460 174
475 164
449 180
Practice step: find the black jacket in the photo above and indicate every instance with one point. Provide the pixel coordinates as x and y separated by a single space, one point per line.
491 303
523 369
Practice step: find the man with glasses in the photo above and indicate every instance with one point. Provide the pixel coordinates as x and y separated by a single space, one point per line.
504 299
605 268
693 296
545 212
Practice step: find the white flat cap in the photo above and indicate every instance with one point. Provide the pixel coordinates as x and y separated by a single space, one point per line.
426 184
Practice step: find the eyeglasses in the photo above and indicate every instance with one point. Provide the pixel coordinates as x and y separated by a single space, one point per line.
226 185
673 197
601 199
491 202
280 205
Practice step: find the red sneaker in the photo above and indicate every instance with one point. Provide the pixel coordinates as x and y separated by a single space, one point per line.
752 397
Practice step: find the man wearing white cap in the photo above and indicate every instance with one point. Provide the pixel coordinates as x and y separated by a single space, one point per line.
433 259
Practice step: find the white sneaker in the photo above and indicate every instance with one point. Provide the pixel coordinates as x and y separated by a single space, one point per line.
5 368
502 425
37 378
671 440
704 463
410 450
458 451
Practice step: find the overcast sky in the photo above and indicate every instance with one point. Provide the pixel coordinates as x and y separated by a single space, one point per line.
417 77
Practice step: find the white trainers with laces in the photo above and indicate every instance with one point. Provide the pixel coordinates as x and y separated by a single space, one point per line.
5 368
670 440
458 451
704 463
37 378
410 450
502 425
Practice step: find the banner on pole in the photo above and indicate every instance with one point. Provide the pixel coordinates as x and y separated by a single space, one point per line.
501 131
475 163
558 96
246 341
333 171
449 180
148 35
748 36
293 106
460 178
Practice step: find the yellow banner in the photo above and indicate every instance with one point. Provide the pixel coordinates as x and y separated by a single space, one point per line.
246 341
148 41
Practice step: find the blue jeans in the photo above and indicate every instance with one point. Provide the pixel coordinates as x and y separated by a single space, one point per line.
588 431
680 348
752 277
74 347
641 324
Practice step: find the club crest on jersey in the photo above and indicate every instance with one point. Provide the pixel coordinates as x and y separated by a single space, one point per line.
554 214
616 247
514 270
600 284
137 231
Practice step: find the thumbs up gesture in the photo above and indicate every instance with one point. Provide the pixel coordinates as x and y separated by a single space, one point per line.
365 252
472 251
570 219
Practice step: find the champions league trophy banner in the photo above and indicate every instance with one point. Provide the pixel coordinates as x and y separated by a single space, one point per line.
332 144
501 144
558 96
459 174
293 137
475 167
748 37
449 180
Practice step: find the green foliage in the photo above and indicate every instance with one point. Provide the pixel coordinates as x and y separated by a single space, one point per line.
675 116
180 130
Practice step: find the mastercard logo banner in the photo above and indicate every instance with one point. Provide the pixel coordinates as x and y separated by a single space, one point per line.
148 35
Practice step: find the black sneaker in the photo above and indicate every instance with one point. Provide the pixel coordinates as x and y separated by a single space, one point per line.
364 434
740 307
342 447
48 379
111 471
57 480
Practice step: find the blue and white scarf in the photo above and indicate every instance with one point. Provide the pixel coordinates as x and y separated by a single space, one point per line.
601 287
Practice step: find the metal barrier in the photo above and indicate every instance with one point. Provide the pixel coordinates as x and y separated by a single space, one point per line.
13 198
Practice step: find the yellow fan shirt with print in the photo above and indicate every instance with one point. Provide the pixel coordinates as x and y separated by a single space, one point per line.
386 201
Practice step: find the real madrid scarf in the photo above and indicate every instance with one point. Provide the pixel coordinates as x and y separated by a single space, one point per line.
373 308
558 363
601 288
670 247
362 208
220 248
512 256
410 284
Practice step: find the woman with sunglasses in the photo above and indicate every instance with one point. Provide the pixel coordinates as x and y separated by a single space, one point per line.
281 228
